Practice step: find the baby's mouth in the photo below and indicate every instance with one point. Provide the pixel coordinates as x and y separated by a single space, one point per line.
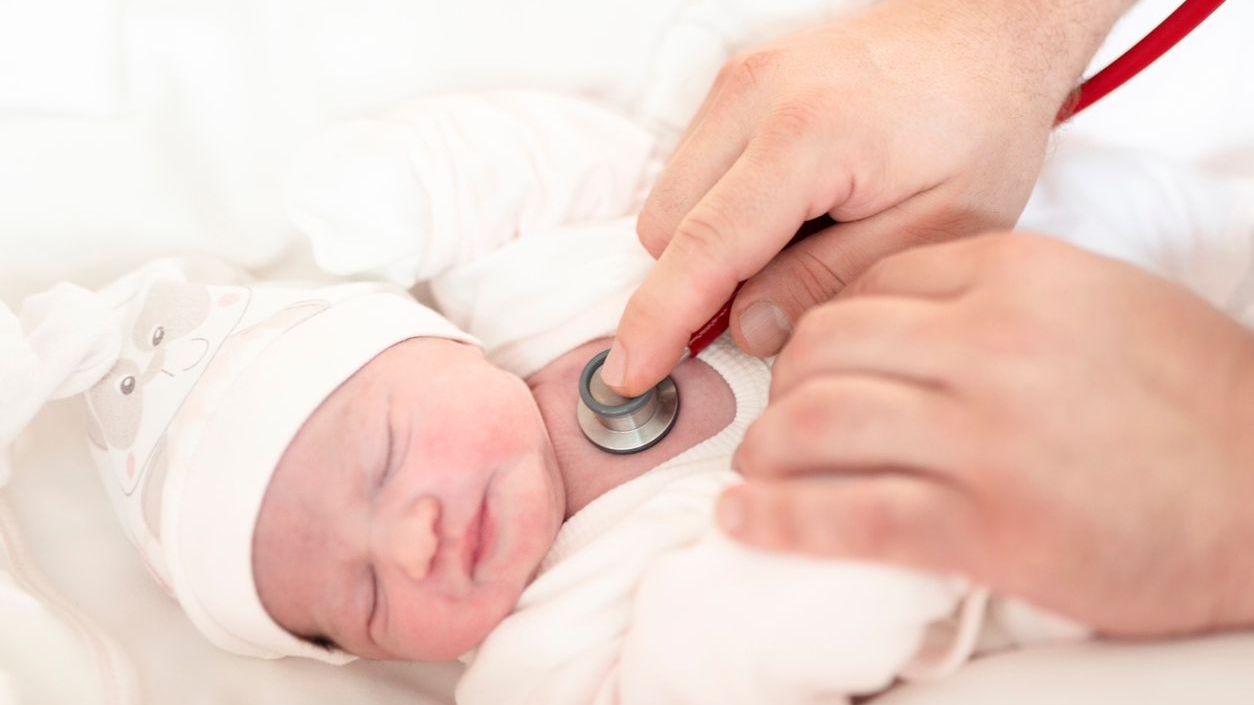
480 533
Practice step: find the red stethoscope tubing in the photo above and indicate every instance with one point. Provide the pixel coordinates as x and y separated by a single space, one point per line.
1166 35
1177 26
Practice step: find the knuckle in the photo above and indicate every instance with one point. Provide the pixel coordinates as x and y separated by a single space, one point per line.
878 524
794 119
786 520
813 280
811 414
823 409
643 309
653 231
813 531
747 73
701 236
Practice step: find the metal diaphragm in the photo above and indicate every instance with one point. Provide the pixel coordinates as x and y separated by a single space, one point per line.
619 424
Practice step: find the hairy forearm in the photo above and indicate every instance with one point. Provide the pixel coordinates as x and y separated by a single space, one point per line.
1039 47
1066 33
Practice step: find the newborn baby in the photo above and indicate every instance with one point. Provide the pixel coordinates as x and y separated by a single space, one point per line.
335 471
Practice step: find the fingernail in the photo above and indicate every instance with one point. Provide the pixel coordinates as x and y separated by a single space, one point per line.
765 328
732 514
614 371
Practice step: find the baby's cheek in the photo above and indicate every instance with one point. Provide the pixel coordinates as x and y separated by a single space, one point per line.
440 628
499 421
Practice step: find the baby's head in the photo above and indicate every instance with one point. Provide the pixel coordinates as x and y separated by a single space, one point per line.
313 469
411 509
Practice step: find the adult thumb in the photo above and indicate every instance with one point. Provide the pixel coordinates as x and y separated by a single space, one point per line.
817 267
770 303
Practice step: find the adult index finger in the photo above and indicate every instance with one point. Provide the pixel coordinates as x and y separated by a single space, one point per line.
743 222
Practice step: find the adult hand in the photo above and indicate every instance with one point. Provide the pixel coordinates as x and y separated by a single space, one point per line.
1053 424
911 122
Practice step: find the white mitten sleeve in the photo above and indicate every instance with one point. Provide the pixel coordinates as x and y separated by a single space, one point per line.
61 342
720 624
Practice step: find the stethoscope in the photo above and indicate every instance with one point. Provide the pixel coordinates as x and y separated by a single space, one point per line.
622 425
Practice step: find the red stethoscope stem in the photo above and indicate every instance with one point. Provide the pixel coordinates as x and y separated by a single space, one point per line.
1166 35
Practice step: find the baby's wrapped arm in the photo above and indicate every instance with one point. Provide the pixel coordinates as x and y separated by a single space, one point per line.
719 624
439 181
663 609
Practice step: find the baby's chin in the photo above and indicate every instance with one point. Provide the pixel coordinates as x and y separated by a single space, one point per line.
478 618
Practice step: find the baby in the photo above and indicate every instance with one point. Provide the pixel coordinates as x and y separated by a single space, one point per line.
410 511
340 470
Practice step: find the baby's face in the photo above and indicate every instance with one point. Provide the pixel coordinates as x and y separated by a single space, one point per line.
414 505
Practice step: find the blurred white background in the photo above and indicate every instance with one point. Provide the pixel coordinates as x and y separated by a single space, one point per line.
131 129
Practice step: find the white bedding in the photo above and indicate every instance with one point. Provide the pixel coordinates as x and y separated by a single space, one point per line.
166 125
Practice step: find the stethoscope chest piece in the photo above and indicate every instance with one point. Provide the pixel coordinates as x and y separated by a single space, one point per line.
619 424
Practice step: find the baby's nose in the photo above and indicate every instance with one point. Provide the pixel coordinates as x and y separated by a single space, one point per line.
410 539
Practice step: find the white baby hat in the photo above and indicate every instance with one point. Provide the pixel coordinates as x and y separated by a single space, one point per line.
193 392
